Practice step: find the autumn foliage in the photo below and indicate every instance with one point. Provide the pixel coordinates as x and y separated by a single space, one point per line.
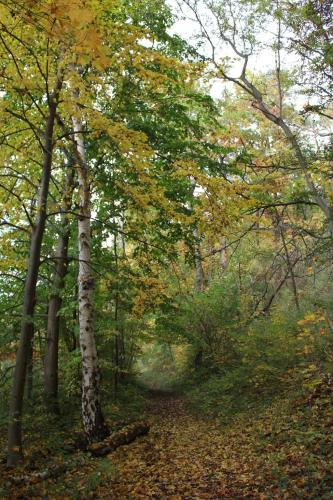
166 225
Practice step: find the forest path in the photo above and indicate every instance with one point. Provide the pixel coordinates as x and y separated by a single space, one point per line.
182 457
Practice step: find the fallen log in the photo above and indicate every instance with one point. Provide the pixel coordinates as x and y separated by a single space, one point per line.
125 435
35 477
119 438
52 472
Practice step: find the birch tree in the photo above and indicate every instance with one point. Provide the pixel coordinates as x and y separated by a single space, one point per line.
93 421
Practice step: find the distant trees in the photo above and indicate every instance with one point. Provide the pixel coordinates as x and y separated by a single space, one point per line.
237 27
311 37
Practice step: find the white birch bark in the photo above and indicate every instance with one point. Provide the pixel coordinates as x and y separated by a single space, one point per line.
93 422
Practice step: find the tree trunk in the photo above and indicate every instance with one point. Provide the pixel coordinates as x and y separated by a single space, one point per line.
93 421
289 264
318 197
121 332
199 273
116 338
16 401
53 319
30 375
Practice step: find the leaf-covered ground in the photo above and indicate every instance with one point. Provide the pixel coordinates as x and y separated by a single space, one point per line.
284 451
177 459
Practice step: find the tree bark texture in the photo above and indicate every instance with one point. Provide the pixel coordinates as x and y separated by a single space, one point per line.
30 365
93 421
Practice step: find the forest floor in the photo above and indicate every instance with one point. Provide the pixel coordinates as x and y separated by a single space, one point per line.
282 451
181 457
187 456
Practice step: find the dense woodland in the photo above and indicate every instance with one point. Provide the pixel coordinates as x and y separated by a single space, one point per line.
166 228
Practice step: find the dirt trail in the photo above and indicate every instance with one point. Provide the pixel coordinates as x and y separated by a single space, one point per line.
181 458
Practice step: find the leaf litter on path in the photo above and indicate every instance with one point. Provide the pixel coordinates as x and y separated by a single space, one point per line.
183 457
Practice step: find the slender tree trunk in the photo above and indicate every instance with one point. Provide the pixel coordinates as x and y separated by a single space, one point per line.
93 421
122 353
116 362
16 401
123 239
116 347
289 265
269 303
116 338
199 272
199 286
53 319
69 333
121 336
